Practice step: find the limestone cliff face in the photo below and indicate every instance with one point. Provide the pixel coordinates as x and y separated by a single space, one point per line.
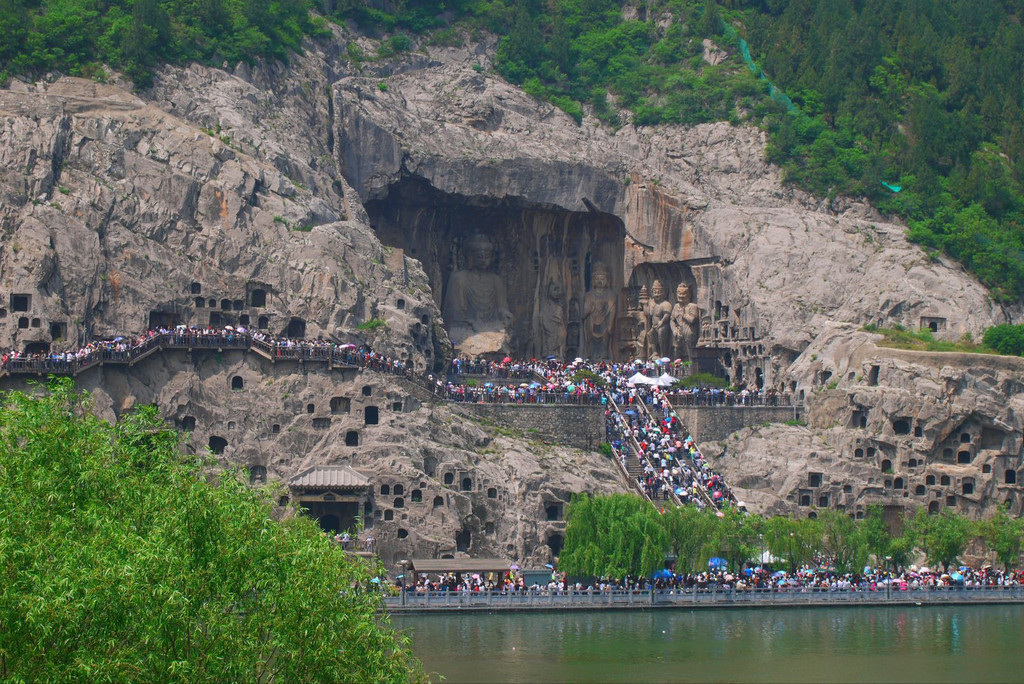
310 198
899 428
789 263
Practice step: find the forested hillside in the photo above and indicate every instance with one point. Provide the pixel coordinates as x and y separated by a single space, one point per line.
915 105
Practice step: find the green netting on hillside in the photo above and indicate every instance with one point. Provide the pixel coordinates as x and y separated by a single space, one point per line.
773 92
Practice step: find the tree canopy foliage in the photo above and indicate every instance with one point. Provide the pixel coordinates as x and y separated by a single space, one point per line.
122 560
76 36
622 534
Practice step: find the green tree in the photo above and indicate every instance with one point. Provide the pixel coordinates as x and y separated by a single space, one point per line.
689 531
842 541
876 535
736 537
121 559
612 536
1004 536
942 537
794 541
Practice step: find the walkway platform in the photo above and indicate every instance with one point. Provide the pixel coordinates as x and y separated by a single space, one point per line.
469 601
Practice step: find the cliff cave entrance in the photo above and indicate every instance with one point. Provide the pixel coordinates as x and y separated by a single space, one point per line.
542 264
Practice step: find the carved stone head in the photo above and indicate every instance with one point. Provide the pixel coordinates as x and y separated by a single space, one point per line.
600 277
658 291
683 293
479 252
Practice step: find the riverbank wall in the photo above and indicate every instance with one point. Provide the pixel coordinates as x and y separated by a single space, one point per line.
448 602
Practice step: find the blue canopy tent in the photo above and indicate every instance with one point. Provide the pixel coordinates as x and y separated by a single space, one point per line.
717 563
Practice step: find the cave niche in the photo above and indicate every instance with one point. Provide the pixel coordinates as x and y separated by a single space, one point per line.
535 245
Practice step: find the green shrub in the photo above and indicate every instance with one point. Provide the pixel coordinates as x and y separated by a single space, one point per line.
372 324
1005 339
701 380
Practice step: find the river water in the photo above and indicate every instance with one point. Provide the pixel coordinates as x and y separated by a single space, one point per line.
871 644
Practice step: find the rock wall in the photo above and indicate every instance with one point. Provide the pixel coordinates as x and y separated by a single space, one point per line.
715 423
581 427
899 428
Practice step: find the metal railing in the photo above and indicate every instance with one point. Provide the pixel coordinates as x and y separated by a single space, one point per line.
665 598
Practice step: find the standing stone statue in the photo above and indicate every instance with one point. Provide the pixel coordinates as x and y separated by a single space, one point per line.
685 324
660 312
599 306
475 304
551 323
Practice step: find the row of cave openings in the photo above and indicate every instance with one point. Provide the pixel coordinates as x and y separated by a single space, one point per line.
22 303
338 406
553 510
964 454
228 311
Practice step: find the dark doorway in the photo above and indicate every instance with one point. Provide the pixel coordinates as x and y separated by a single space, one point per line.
555 543
296 329
372 415
37 348
21 302
330 523
163 319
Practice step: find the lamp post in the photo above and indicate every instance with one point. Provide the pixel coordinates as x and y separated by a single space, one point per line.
403 564
888 579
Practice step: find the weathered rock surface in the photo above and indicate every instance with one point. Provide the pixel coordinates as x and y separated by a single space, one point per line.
240 197
899 428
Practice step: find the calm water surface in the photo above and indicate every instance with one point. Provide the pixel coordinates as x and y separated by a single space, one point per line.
878 644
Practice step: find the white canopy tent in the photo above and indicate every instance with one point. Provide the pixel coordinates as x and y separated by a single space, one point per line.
665 380
641 379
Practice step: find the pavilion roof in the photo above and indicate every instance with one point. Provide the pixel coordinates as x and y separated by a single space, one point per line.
337 477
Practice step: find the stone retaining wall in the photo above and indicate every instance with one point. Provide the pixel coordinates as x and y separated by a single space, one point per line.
712 423
576 426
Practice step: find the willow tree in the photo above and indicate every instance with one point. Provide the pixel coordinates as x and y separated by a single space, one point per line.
942 537
843 541
121 560
689 536
1004 535
794 541
612 536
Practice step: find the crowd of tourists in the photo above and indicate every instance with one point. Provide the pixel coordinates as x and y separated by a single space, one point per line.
642 426
124 350
760 578
825 578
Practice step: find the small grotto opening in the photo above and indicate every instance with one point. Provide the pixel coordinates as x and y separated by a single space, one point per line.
538 260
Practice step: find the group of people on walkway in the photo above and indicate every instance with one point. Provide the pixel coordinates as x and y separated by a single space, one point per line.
805 579
124 350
